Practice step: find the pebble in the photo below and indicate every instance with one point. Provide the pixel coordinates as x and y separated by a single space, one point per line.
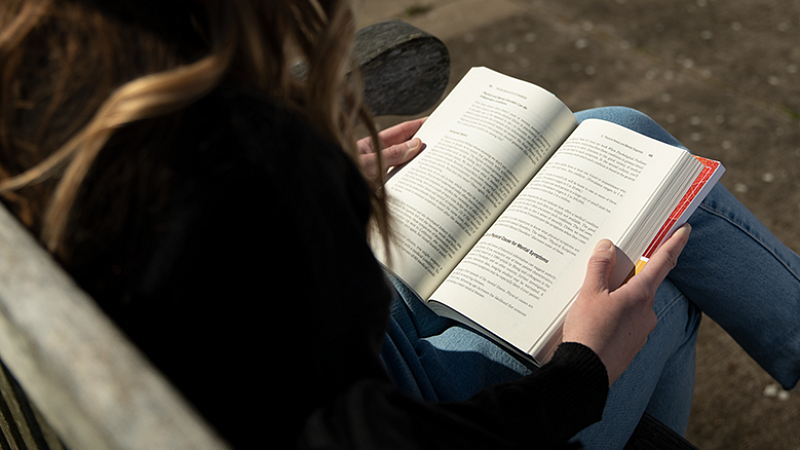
771 390
774 390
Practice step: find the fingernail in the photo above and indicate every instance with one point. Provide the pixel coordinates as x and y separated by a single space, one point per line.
685 228
604 246
414 144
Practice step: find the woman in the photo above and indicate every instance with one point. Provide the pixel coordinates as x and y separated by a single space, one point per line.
216 208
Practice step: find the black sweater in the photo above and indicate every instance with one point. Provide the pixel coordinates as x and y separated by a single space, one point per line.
244 274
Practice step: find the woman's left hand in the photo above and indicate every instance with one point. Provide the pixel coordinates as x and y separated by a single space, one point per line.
399 147
615 324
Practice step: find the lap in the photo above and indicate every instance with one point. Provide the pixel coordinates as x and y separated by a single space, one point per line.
438 360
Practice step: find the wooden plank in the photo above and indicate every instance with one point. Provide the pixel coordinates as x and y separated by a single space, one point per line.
19 433
92 386
405 70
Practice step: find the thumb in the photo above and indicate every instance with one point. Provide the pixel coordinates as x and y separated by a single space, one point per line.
601 264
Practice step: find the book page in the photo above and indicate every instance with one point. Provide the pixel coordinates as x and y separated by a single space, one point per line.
709 176
520 277
483 144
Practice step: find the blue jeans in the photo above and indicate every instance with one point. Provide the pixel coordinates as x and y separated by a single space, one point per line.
733 269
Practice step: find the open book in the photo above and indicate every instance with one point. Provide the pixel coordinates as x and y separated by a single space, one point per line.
496 219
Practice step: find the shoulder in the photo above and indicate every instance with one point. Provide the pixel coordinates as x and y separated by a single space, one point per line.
242 129
262 253
256 183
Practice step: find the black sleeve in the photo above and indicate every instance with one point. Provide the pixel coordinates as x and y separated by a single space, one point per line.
541 411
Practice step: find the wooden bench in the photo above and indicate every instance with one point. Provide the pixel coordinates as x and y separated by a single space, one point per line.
70 379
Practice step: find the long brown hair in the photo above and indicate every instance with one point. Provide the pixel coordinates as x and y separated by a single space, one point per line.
73 72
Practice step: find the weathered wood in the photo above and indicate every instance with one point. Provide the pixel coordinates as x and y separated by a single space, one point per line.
22 426
405 70
89 382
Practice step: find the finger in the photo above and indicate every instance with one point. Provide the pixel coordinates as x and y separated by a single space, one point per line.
401 132
392 156
664 259
365 146
401 153
370 162
601 264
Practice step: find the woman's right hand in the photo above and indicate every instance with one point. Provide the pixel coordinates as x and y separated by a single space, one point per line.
615 325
